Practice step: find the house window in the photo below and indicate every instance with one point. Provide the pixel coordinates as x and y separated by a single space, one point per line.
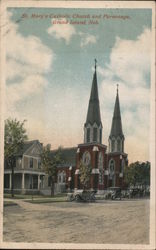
31 181
88 134
31 162
39 163
49 181
95 134
59 177
19 162
64 177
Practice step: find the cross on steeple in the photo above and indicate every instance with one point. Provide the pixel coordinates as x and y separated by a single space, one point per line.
95 63
117 87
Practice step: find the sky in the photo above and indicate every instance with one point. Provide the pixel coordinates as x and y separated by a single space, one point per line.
50 65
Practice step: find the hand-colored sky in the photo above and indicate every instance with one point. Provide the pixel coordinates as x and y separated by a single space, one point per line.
50 69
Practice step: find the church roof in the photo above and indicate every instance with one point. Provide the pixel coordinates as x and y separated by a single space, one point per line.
68 156
93 114
116 129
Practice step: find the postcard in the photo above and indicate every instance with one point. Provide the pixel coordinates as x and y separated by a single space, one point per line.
77 117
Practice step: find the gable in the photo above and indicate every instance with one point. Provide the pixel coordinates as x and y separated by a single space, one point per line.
34 150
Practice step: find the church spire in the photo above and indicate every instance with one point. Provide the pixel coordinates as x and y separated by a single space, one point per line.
93 114
116 137
93 121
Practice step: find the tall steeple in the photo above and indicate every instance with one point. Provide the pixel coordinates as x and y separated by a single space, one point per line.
93 125
116 138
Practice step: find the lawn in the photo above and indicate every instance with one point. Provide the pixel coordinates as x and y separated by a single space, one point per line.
47 200
9 203
32 197
36 199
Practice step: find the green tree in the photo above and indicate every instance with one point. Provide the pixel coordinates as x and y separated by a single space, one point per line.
50 163
85 174
138 173
15 135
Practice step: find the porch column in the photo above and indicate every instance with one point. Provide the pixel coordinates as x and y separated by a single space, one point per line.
43 180
23 175
39 182
10 181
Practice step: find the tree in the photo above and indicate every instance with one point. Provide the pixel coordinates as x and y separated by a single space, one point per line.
84 173
138 173
15 135
50 164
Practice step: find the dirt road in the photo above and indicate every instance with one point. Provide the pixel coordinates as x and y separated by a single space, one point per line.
105 222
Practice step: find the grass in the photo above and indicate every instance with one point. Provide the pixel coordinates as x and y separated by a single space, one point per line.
47 200
38 198
21 196
9 203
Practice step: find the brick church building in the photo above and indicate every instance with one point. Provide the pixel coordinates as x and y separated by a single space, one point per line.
107 164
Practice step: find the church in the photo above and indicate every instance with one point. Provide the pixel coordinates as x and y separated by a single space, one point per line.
107 164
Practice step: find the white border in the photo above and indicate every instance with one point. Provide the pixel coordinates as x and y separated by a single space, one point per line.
80 4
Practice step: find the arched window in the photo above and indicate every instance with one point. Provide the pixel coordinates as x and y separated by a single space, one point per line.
100 176
122 166
88 134
113 145
112 171
111 166
100 160
94 134
118 145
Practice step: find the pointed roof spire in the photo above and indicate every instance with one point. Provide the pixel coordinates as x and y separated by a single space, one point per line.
117 87
93 114
116 129
95 63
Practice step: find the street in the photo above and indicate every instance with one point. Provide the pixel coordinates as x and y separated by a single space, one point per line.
117 222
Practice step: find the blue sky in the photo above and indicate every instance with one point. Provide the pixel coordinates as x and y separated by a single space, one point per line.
50 69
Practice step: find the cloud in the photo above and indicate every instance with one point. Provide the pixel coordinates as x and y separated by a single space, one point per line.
28 61
130 59
129 66
31 85
87 39
61 29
